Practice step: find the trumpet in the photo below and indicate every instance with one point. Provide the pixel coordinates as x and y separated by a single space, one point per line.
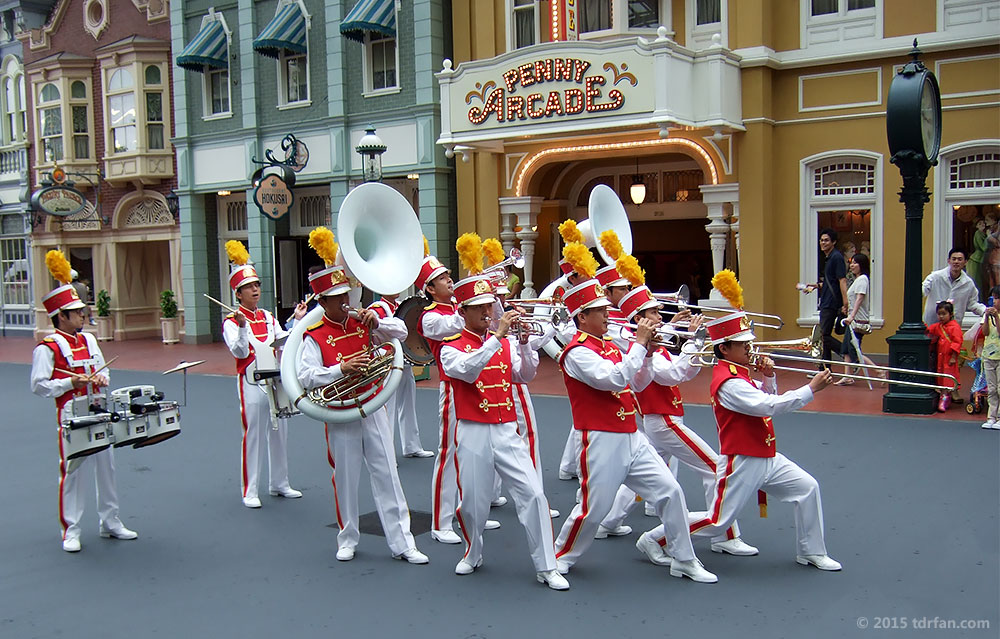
354 390
516 260
539 301
536 324
682 298
666 334
814 346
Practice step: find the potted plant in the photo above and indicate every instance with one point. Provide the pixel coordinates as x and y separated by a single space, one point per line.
105 331
168 319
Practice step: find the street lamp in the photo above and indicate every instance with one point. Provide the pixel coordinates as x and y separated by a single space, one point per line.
173 204
371 149
638 189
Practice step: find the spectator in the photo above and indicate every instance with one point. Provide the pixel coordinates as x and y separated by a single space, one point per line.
833 291
857 320
951 283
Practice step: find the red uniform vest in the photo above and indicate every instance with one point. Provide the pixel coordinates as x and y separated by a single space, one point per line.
440 309
657 399
259 322
78 347
489 399
384 308
596 409
338 342
739 434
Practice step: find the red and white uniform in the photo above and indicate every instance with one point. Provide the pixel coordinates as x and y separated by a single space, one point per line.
402 406
81 354
483 375
749 461
437 322
255 411
365 442
599 381
663 424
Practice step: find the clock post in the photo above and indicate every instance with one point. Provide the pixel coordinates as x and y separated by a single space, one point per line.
913 127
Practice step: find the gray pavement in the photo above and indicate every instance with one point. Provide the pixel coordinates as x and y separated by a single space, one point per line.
911 509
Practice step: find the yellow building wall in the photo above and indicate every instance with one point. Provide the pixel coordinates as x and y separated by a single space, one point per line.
908 17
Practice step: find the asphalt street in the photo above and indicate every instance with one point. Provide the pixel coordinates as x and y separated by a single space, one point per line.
911 509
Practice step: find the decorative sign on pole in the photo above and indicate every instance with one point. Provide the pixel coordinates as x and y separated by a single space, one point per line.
273 193
59 200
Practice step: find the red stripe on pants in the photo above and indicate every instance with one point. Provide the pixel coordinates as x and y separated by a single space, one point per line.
445 408
333 475
243 420
584 497
62 475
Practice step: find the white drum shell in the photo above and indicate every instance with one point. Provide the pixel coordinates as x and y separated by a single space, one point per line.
129 430
163 424
80 442
123 395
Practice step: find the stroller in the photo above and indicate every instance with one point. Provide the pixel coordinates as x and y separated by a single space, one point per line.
977 396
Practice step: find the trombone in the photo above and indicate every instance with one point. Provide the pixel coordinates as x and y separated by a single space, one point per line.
665 335
516 260
682 296
813 345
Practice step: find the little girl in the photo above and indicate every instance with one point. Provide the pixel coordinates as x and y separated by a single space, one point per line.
991 358
946 336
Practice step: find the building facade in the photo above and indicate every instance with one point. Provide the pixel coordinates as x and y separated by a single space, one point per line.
99 107
750 125
249 73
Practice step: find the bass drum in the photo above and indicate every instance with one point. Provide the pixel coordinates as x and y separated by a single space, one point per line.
416 350
554 347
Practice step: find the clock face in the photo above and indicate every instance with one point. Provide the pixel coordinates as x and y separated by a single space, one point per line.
929 120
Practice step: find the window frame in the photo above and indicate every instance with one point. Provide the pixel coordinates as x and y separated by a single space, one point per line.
139 90
809 207
283 101
620 8
66 102
512 10
843 18
368 63
206 75
699 36
14 129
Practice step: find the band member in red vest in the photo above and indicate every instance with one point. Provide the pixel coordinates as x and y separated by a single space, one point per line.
63 366
663 424
600 383
402 406
337 346
245 332
749 463
483 369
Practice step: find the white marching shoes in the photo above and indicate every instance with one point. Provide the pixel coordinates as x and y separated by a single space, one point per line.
287 492
823 562
498 502
345 553
653 551
71 544
422 454
492 524
118 531
251 502
465 568
735 546
620 531
413 556
693 570
446 536
552 579
553 513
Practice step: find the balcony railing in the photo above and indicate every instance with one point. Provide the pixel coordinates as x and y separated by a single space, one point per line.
12 162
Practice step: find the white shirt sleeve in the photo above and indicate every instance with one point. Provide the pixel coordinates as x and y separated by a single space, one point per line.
620 337
539 341
584 365
312 373
468 366
390 328
524 362
673 371
741 396
437 326
42 365
236 337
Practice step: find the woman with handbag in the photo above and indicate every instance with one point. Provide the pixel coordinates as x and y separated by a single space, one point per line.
857 321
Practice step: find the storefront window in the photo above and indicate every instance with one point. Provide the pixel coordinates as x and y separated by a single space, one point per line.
595 15
525 23
854 235
976 229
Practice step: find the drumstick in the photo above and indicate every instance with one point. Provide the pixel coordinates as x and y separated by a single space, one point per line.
87 375
225 306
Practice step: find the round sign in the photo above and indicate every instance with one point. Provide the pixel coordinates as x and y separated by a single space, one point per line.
61 201
58 175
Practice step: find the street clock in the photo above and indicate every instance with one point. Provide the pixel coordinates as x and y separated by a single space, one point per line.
913 111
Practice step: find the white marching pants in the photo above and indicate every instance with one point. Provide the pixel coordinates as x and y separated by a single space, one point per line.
740 477
608 460
525 412
569 464
367 442
444 490
402 412
255 414
671 438
485 450
71 497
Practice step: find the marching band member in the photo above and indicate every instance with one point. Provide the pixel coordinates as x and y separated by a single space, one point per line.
749 463
339 346
599 382
63 365
663 417
249 328
402 406
482 369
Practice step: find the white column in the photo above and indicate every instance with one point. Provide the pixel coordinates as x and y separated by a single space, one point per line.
507 235
735 226
524 211
715 196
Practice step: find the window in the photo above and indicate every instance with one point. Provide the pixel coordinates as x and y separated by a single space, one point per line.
136 113
381 63
154 108
217 90
705 19
21 107
9 111
50 123
826 7
708 11
595 15
524 21
610 17
294 72
81 120
121 112
836 21
976 171
12 94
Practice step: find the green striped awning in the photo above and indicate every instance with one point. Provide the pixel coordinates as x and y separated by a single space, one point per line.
285 32
378 16
207 48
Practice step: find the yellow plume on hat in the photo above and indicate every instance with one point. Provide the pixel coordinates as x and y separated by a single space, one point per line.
570 233
321 240
612 245
427 247
470 252
628 267
580 259
59 266
493 250
237 253
726 283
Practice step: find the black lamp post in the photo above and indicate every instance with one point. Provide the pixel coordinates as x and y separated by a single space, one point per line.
913 126
371 148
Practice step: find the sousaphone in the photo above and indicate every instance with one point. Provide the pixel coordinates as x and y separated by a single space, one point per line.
606 213
381 246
